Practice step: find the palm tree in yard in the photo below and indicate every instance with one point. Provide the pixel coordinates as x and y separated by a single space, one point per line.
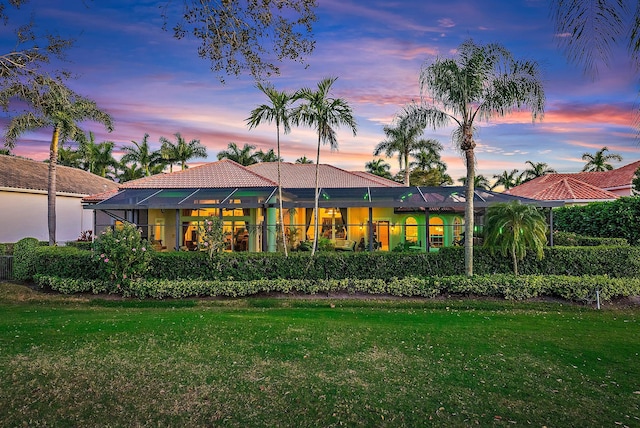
481 83
512 228
244 156
322 112
51 104
378 167
599 161
180 152
536 170
268 156
508 179
303 160
479 182
141 154
104 164
278 112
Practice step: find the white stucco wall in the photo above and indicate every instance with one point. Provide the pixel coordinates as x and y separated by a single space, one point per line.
24 214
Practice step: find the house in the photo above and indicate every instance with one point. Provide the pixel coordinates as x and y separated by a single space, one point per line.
23 199
356 210
580 188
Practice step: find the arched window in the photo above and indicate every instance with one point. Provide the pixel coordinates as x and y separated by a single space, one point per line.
411 230
436 232
458 228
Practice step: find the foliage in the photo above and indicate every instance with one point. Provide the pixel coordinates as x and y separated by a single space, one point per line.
614 219
6 249
513 228
252 37
122 255
141 153
636 182
536 170
570 239
405 247
210 230
508 179
378 167
82 245
181 152
25 259
244 156
599 161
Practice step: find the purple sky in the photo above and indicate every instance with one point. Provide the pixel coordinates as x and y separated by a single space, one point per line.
150 82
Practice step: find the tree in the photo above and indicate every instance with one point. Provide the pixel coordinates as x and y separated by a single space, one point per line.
508 179
479 182
428 157
142 154
237 36
403 138
128 172
599 161
245 156
104 164
268 156
51 105
482 82
431 177
68 156
278 111
181 152
537 169
322 112
378 167
636 182
513 227
303 160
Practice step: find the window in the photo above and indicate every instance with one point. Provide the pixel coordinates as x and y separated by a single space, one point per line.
436 232
411 230
458 228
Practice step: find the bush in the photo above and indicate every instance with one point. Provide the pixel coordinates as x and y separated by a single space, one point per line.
66 262
82 245
570 239
6 249
24 259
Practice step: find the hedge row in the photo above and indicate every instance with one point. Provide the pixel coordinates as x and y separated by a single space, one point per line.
573 261
581 289
570 239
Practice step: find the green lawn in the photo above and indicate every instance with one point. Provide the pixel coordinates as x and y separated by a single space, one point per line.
315 363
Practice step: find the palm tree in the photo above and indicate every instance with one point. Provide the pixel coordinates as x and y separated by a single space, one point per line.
479 182
245 156
303 160
181 152
52 105
537 169
403 139
68 156
436 176
142 154
513 227
128 172
323 113
268 156
104 164
507 179
277 111
378 167
482 82
599 161
427 158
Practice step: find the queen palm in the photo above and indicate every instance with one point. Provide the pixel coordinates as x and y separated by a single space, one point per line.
536 170
599 161
322 112
142 154
181 152
278 111
104 164
482 82
378 167
244 156
427 158
508 179
513 227
51 105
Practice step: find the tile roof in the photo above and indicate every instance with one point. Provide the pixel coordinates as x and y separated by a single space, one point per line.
303 176
560 187
21 173
219 174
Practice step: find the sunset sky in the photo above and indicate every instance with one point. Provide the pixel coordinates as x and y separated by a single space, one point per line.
152 83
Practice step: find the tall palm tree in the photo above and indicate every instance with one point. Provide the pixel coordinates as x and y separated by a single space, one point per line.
244 156
322 112
51 105
277 111
181 152
268 156
479 182
404 138
513 227
68 156
599 161
508 179
303 160
142 154
104 164
536 170
129 171
482 82
378 167
427 158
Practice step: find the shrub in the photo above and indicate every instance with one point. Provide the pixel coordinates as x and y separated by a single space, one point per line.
66 262
82 245
24 260
570 239
212 234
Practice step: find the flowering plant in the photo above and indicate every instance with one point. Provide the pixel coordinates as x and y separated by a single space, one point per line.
122 255
212 234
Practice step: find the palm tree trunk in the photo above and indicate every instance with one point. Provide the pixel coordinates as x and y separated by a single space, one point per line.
406 168
515 260
315 205
468 213
284 235
51 188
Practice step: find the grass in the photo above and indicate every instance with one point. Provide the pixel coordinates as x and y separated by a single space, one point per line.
314 362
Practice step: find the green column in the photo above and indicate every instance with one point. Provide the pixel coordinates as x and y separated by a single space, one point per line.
271 228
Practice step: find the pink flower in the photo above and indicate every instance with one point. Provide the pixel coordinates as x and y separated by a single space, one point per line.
133 249
102 256
106 260
144 249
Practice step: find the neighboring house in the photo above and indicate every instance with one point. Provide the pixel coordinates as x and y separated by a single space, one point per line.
580 188
23 200
356 210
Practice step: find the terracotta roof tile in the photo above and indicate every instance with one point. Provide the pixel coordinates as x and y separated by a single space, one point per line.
20 173
560 187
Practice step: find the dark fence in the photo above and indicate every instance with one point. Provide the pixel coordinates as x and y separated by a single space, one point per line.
6 267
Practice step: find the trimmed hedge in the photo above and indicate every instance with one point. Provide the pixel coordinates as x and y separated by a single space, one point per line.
573 261
82 245
510 287
570 239
25 258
